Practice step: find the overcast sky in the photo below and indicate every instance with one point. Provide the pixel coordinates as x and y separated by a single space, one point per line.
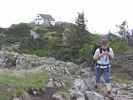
102 15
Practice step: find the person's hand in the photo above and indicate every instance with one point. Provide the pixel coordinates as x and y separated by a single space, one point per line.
101 55
106 53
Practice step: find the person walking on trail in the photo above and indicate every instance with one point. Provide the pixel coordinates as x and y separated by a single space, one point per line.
103 55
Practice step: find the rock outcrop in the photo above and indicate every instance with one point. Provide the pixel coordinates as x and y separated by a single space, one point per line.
123 64
81 80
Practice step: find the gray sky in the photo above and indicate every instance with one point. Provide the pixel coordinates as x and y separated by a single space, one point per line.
102 15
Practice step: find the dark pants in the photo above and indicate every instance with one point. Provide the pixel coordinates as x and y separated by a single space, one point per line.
103 71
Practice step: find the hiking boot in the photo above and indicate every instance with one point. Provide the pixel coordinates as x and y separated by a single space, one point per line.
109 95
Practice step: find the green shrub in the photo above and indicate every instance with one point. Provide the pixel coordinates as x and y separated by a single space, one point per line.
119 46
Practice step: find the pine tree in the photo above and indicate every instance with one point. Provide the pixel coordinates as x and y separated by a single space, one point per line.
80 21
123 27
83 33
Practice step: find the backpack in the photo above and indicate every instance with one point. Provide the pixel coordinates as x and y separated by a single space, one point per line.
94 49
93 52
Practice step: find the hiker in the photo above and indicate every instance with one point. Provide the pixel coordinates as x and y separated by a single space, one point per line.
102 55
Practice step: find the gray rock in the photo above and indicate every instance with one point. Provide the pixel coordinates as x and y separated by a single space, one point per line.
50 83
16 98
93 95
50 60
79 85
25 96
57 96
77 94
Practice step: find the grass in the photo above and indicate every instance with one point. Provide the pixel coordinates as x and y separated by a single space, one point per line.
15 82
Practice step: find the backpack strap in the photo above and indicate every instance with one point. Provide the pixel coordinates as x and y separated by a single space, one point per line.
100 49
108 49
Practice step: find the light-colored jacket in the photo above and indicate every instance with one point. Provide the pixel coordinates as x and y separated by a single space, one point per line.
104 59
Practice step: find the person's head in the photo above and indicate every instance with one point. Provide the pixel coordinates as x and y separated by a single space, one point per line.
104 43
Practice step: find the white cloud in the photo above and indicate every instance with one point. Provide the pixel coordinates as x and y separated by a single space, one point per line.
102 15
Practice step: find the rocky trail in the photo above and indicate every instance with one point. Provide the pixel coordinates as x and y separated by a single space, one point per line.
82 89
81 79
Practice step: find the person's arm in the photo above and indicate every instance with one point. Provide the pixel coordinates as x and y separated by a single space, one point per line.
110 53
97 55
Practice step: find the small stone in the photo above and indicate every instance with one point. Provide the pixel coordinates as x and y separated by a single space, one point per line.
57 96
